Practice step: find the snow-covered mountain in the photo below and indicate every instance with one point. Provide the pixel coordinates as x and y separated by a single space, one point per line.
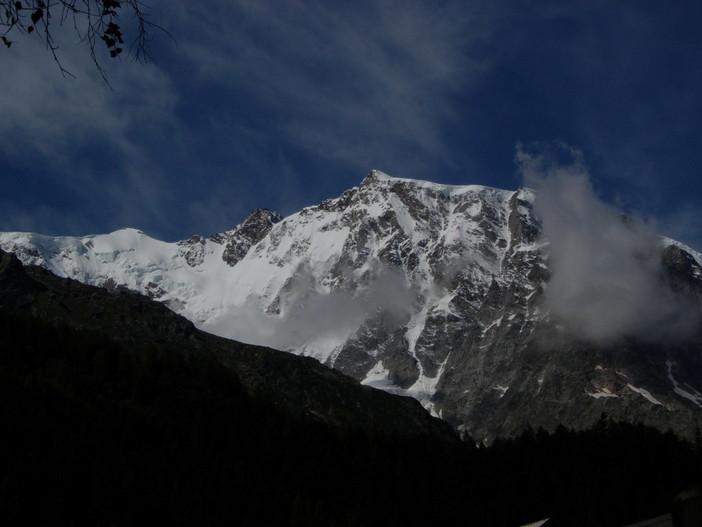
417 288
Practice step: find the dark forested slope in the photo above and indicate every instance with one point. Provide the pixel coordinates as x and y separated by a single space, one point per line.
157 423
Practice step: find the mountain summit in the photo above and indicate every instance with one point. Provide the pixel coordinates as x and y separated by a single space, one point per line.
418 288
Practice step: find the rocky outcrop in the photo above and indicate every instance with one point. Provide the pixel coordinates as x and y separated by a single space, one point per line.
238 241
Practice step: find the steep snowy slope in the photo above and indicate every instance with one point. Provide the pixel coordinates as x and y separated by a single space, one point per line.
184 275
418 288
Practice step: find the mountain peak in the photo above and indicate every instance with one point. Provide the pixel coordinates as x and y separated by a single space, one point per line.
248 233
375 176
262 213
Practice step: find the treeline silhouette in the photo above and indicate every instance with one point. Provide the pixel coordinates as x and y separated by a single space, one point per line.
95 432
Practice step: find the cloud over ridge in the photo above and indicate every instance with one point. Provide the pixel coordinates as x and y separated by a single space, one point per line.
607 280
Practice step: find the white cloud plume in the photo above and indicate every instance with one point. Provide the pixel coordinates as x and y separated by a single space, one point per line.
607 280
316 320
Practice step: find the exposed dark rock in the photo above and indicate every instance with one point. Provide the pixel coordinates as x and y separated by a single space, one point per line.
192 250
682 270
248 233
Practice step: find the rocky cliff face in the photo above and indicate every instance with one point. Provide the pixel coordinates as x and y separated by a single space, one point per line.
417 288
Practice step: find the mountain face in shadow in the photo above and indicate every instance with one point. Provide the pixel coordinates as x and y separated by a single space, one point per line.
116 411
300 384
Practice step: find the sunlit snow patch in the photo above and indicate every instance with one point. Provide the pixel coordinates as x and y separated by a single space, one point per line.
501 389
695 397
378 377
604 392
645 393
536 524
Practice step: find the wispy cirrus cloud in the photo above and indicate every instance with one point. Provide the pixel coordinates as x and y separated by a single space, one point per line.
267 103
284 104
78 137
365 83
50 115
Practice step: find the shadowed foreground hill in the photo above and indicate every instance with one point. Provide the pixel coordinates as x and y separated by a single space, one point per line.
301 384
114 411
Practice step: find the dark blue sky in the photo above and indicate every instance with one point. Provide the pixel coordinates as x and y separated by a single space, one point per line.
284 104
